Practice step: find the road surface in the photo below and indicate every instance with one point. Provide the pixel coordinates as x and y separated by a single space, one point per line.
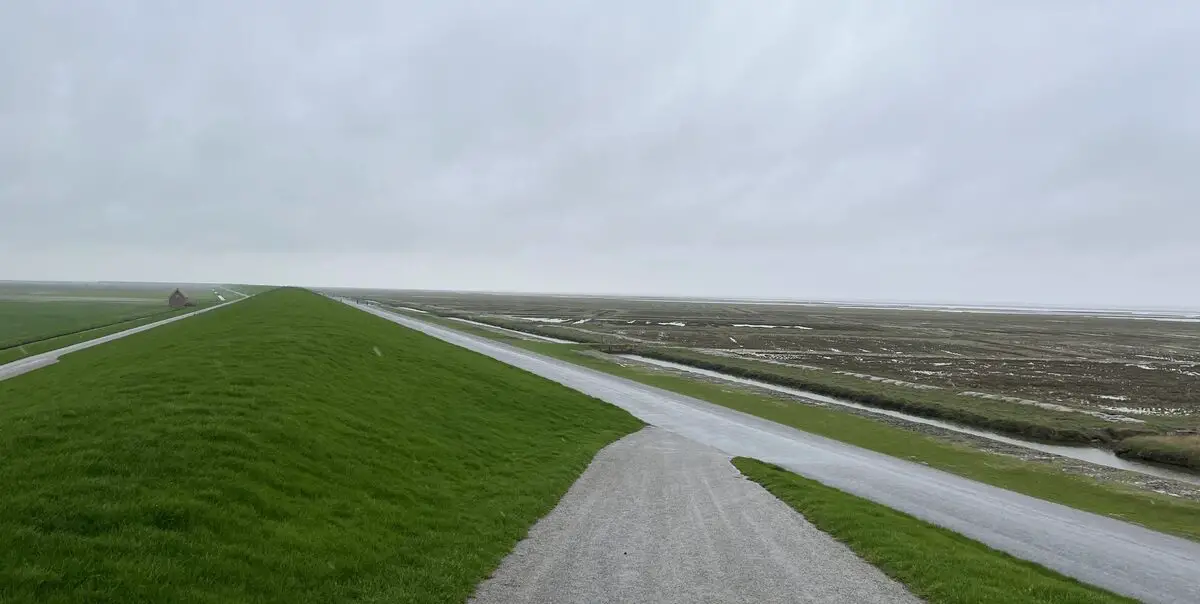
233 291
661 518
1119 556
44 359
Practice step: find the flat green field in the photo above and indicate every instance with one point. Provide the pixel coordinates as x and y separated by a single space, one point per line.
284 449
23 321
38 317
16 353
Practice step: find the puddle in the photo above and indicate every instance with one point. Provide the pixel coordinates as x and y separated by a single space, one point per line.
1095 455
524 334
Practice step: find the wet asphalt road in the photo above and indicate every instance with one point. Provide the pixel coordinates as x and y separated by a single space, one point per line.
1119 556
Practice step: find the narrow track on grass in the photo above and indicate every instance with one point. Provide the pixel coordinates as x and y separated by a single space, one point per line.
1122 557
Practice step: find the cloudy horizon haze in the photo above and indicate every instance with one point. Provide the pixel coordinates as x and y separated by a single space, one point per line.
1017 152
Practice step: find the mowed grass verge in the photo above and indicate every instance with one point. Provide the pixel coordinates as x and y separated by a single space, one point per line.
24 322
1159 512
284 449
939 566
17 353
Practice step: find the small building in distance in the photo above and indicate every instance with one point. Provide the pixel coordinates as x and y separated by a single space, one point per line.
178 300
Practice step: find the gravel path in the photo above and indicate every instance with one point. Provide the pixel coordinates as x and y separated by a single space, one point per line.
660 518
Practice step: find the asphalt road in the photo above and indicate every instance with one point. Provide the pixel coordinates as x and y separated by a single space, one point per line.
661 518
1119 556
233 291
44 359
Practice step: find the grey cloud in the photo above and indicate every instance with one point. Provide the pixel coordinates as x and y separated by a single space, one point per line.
925 150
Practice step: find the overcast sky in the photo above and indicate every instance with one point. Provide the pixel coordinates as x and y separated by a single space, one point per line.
937 151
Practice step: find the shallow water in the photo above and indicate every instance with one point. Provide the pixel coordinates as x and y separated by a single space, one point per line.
1095 455
535 336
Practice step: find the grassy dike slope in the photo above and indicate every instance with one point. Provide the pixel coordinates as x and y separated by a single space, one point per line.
284 449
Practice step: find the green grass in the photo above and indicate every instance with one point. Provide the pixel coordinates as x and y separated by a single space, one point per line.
19 352
34 327
1159 512
1180 450
36 318
23 321
939 566
283 449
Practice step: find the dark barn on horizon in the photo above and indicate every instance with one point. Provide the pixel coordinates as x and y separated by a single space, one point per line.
178 300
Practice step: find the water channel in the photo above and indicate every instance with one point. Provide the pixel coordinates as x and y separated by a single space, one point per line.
1095 455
